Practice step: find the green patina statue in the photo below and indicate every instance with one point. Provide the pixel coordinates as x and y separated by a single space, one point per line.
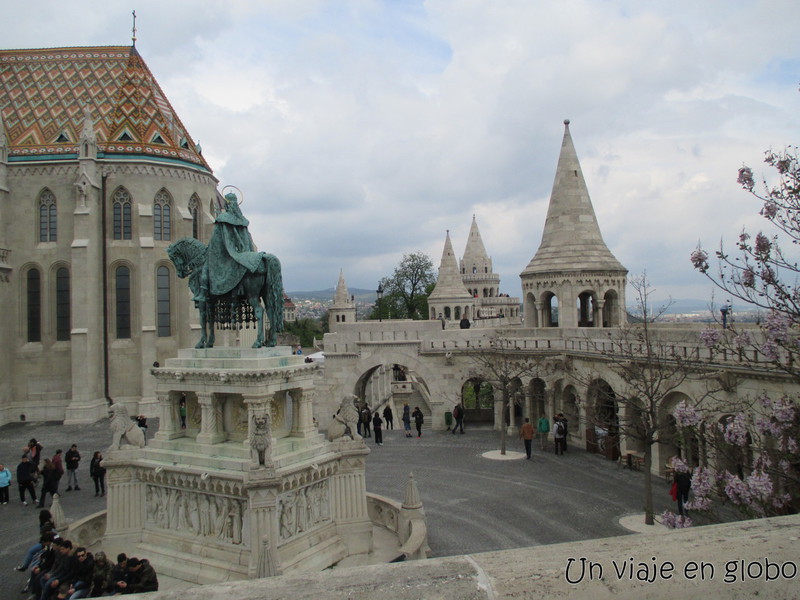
230 280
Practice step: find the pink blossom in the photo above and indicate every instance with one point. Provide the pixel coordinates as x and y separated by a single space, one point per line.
737 490
710 337
748 277
777 326
745 178
672 521
767 275
678 465
769 210
763 245
702 482
699 504
734 430
686 416
770 350
743 340
699 259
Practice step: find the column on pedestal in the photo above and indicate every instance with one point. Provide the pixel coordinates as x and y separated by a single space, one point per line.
302 419
211 430
168 422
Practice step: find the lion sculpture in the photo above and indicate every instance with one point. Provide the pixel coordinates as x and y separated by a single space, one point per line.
123 428
345 421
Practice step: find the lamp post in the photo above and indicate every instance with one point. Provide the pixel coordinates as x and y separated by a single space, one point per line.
379 291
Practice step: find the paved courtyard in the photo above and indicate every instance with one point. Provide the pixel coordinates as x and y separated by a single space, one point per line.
473 504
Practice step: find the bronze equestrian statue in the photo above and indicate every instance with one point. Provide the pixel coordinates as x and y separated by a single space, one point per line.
230 280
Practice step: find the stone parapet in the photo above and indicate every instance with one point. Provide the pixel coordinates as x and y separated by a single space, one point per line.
733 560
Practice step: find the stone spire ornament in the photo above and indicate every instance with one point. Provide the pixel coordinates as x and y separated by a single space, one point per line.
449 299
573 267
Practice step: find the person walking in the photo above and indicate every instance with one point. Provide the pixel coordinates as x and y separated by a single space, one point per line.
5 483
388 417
458 415
377 423
407 420
543 429
73 459
560 433
418 420
526 433
26 476
366 417
50 479
98 474
182 410
58 465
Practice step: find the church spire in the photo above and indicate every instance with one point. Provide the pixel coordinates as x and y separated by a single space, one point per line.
476 259
571 239
342 295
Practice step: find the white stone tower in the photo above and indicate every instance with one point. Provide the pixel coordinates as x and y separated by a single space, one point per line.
343 309
573 269
476 266
450 300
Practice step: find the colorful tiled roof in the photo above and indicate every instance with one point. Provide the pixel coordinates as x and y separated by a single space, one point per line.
43 92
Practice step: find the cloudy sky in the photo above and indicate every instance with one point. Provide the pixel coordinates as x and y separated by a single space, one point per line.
360 130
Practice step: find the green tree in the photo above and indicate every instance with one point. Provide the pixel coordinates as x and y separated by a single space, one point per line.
307 329
405 292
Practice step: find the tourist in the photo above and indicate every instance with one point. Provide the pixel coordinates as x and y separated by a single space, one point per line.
72 458
377 423
26 476
682 483
182 410
464 323
101 576
46 532
388 417
81 575
50 477
61 571
560 433
141 577
366 417
34 452
98 474
418 420
543 428
44 562
5 483
141 423
407 419
458 415
119 575
526 433
58 465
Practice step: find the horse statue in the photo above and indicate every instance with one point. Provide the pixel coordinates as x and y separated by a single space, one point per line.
260 282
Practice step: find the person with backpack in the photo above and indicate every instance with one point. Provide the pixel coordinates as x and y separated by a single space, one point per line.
418 420
560 433
458 415
377 423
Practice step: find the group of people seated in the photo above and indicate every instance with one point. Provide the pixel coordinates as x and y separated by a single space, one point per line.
60 571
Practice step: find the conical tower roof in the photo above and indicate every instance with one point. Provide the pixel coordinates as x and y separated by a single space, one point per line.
342 295
449 283
571 240
475 252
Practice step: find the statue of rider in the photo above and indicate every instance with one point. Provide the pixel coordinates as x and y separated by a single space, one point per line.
231 252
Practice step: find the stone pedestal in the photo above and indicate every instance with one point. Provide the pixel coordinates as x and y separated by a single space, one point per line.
248 487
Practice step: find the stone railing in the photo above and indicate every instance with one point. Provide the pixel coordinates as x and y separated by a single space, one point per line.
384 512
87 531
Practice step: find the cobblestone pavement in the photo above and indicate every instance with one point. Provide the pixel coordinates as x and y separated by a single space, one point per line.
473 504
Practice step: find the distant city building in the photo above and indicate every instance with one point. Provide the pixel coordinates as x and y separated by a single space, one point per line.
289 310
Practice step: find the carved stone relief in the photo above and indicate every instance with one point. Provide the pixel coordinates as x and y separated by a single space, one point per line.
302 510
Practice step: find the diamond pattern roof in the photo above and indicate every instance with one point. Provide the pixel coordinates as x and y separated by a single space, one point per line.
43 92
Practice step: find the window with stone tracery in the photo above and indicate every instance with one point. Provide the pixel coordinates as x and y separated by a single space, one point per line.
34 301
194 210
163 302
162 224
122 289
122 224
62 305
47 216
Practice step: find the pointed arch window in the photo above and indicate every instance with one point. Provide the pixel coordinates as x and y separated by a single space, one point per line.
122 214
163 302
62 305
47 216
122 288
34 302
162 224
194 210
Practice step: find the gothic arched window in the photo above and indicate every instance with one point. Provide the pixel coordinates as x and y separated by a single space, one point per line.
162 302
34 302
47 216
162 229
62 305
194 210
122 288
122 214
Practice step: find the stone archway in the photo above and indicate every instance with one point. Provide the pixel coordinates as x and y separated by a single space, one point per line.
477 398
538 395
602 427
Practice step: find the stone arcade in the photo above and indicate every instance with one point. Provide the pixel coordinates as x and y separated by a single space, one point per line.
249 488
